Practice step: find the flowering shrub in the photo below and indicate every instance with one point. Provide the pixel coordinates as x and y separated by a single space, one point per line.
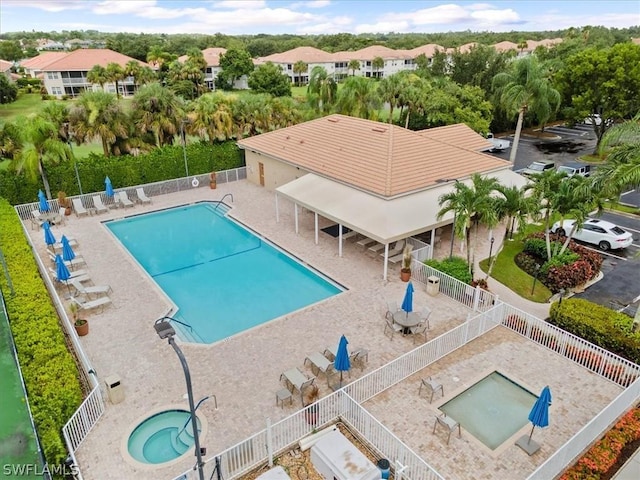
604 454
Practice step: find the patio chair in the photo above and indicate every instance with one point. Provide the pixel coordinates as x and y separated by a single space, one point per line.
78 207
365 242
36 219
123 199
78 260
431 387
425 313
88 291
396 250
91 304
359 358
331 352
98 205
448 423
393 328
142 197
375 249
419 330
396 258
392 307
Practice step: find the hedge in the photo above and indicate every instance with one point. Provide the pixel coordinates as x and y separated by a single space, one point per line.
602 326
160 164
49 369
455 266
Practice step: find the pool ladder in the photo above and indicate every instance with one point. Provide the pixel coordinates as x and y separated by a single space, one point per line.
222 199
178 437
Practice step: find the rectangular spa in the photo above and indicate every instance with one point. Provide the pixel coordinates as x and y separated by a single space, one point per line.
492 410
223 278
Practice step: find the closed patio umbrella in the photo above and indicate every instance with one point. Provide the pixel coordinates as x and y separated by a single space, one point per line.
108 187
49 239
539 415
44 204
67 252
62 272
407 302
342 362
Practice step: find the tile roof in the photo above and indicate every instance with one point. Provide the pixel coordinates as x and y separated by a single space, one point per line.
86 59
306 54
459 135
4 65
211 56
382 159
463 48
40 61
369 53
429 50
505 46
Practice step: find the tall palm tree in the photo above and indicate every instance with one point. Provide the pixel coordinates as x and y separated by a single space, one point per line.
158 110
358 98
115 73
98 115
390 90
98 75
621 171
58 114
299 68
42 146
526 88
353 65
377 63
575 198
322 90
133 69
11 142
515 206
212 116
473 205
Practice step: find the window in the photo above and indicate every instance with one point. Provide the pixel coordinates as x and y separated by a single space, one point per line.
289 67
56 91
368 63
52 75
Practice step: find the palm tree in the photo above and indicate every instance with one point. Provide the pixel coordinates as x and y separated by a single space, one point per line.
158 110
133 69
115 73
473 205
212 116
358 98
98 115
158 56
390 89
58 114
98 74
621 144
322 89
10 141
515 206
526 88
353 66
377 63
299 68
42 147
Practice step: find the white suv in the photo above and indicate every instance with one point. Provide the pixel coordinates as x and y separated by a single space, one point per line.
605 235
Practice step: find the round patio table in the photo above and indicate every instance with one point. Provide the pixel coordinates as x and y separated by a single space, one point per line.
406 320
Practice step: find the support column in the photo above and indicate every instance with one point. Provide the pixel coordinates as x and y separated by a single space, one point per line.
295 215
340 240
386 261
316 222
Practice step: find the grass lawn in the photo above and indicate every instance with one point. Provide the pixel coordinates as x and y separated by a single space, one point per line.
26 104
508 273
622 208
85 149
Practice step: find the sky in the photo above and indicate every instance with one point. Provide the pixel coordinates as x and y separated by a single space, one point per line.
311 16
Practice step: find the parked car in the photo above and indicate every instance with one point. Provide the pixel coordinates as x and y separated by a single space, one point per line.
499 144
537 167
575 168
606 235
596 119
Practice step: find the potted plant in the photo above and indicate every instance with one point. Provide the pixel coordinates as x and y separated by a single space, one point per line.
64 202
309 399
212 180
405 271
81 325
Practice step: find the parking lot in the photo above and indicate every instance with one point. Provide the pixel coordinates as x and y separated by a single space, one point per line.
620 287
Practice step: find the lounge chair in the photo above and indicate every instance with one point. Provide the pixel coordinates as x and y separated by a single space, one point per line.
90 304
393 328
78 207
448 423
97 290
78 260
376 249
431 386
57 247
365 242
73 273
98 205
350 234
318 362
123 199
396 250
142 197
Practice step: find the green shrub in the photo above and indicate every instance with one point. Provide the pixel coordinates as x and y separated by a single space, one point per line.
602 326
48 368
455 266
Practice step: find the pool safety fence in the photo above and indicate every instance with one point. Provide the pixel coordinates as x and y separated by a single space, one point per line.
151 190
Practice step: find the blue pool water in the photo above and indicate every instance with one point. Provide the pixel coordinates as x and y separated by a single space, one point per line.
162 437
491 410
223 278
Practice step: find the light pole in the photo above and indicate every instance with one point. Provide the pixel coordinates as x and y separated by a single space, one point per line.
535 278
491 249
165 330
184 144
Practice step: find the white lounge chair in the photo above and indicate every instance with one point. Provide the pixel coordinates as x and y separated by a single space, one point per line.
396 250
89 304
123 199
142 197
98 205
73 273
57 247
78 260
97 290
365 242
78 207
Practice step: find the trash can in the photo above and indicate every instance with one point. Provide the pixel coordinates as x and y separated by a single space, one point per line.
115 391
433 285
383 465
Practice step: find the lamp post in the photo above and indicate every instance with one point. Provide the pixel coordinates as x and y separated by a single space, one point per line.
562 292
184 144
165 330
535 278
491 249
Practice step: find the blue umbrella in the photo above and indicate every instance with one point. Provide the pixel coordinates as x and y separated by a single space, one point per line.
539 415
67 252
44 204
407 303
49 239
108 187
342 362
62 272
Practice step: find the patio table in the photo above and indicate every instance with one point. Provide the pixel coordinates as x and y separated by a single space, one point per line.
295 378
319 362
406 320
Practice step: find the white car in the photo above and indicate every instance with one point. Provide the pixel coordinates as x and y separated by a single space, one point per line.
605 235
596 119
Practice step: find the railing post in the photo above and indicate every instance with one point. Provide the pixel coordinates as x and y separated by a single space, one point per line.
476 298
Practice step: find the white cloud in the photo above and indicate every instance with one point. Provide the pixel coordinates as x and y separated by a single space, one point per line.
496 17
241 4
333 25
47 5
313 4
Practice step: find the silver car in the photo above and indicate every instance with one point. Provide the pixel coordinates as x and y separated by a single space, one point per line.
606 235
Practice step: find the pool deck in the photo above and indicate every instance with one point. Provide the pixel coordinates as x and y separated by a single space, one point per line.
243 371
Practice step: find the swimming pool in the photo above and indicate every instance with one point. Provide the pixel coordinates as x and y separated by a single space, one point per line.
492 410
223 278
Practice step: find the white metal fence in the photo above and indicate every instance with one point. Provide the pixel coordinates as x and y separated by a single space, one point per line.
151 189
83 420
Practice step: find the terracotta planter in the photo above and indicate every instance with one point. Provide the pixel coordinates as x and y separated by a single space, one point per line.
405 276
67 211
212 180
82 329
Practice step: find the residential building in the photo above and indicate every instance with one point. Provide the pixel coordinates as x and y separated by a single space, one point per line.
212 57
33 66
5 69
68 74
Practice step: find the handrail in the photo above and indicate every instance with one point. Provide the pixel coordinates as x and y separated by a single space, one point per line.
222 199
